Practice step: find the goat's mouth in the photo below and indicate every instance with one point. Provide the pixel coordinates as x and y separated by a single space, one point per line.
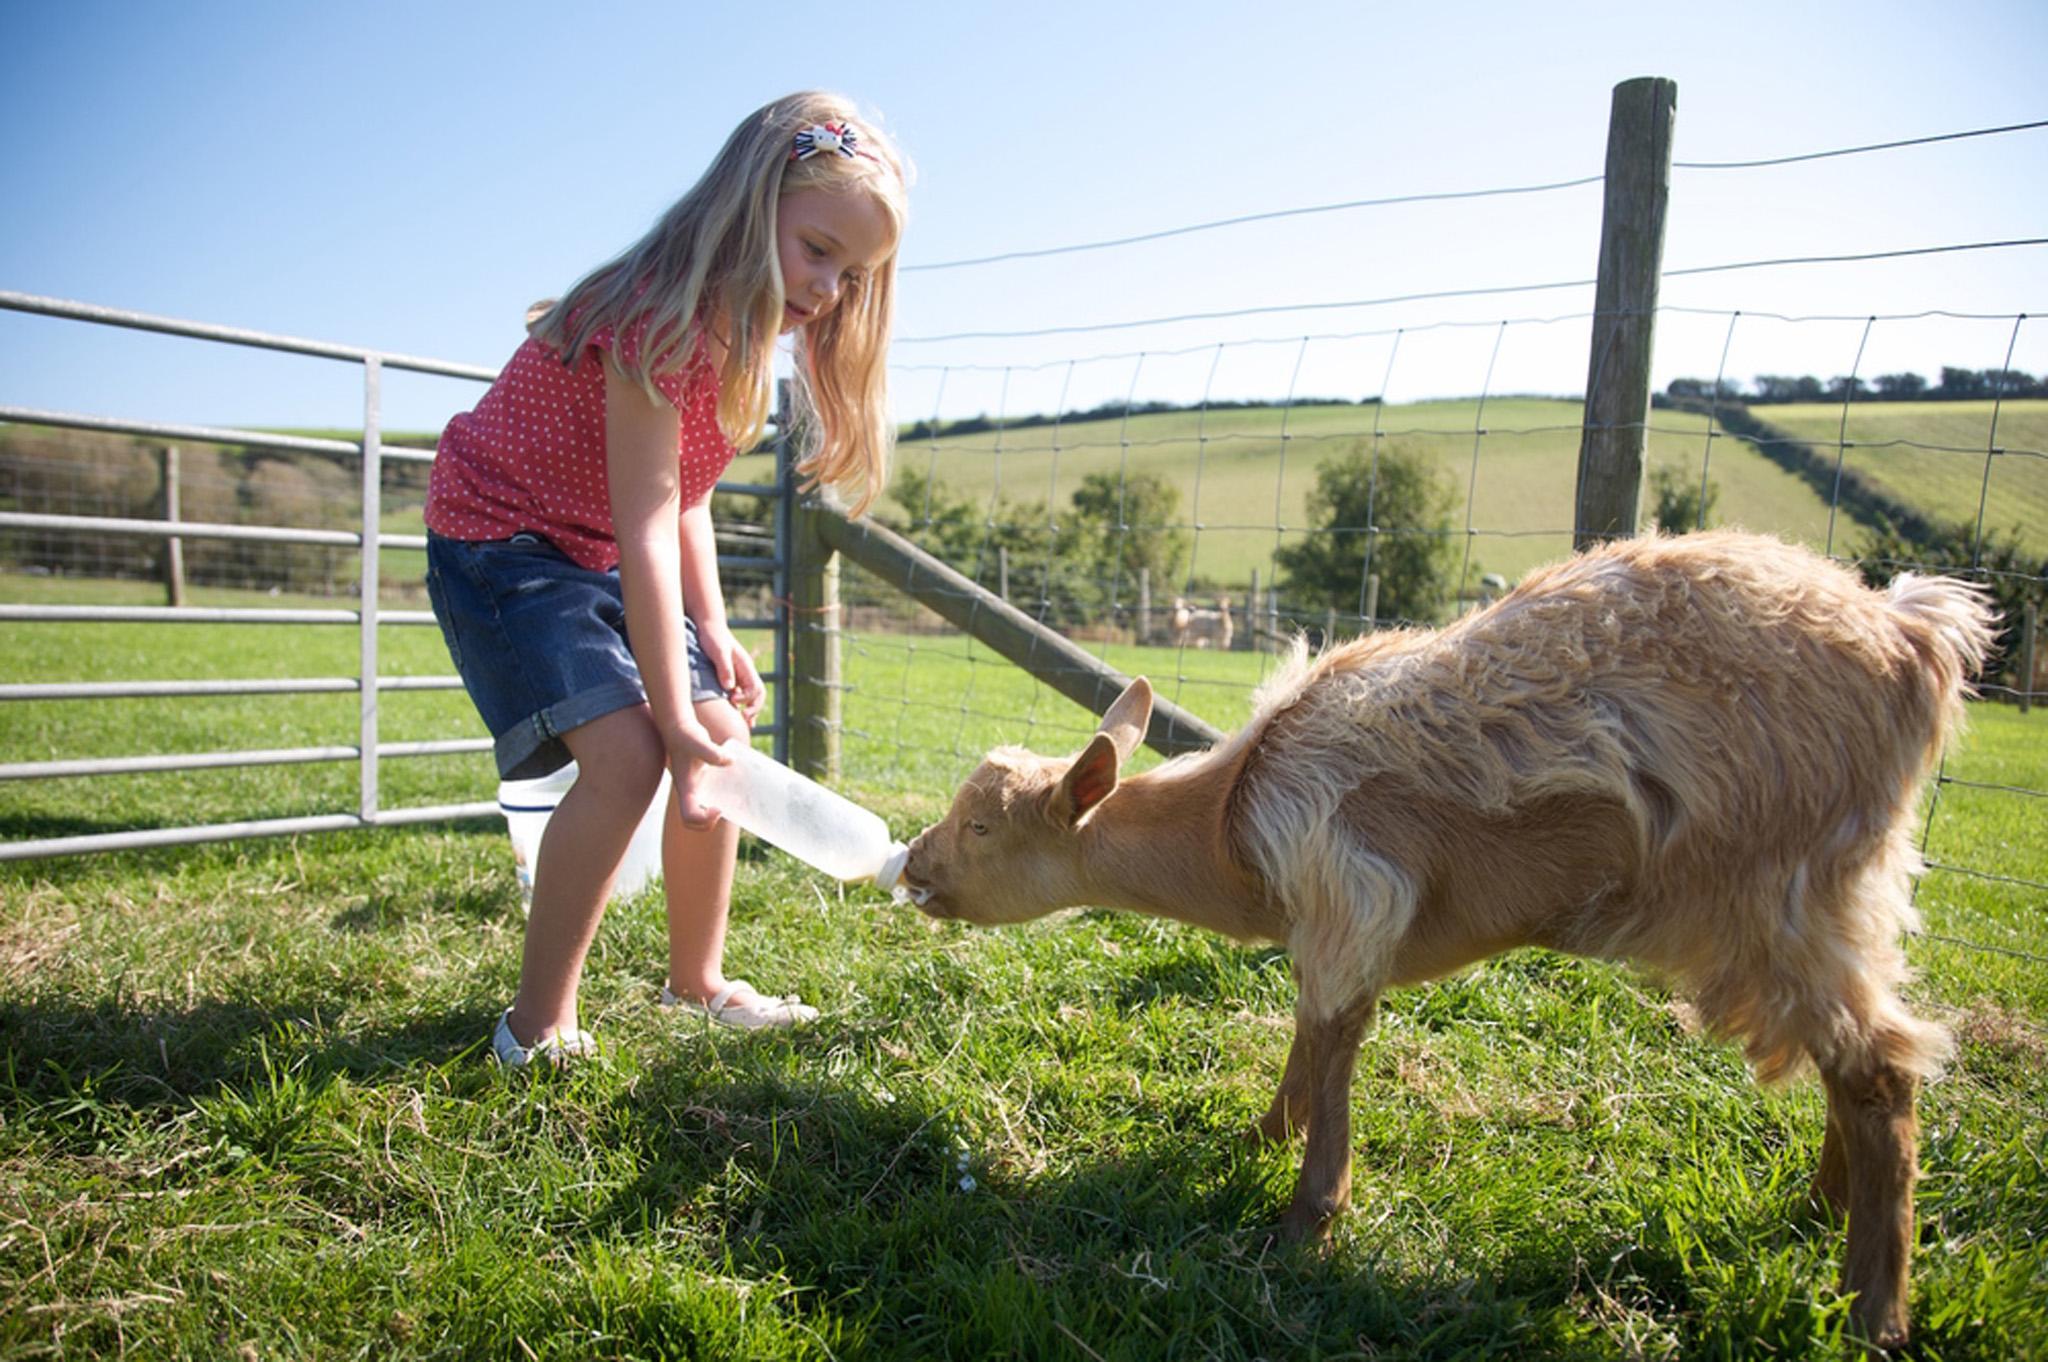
910 891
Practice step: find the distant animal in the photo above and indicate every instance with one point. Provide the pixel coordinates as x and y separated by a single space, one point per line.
1698 753
1194 627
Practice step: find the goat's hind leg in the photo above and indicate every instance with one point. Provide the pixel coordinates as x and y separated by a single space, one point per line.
1829 1191
1327 1052
1288 1116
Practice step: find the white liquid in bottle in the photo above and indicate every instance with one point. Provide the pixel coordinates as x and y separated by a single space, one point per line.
801 817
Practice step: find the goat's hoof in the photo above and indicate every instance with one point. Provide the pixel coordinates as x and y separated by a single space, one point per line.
1309 1224
1825 1199
1260 1134
1825 1205
1887 1333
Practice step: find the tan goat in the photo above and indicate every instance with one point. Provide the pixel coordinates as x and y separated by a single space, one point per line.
1194 627
1698 753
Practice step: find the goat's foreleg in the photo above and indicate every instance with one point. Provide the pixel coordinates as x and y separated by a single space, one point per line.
1328 1055
1879 1135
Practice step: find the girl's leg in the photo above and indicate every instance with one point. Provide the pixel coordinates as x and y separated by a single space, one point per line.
620 758
696 871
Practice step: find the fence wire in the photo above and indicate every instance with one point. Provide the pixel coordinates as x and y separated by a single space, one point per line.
1170 537
1181 536
1190 535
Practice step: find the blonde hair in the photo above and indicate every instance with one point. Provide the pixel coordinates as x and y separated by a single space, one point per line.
713 255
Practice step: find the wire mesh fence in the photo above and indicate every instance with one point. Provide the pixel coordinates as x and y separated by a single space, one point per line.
1187 509
1236 494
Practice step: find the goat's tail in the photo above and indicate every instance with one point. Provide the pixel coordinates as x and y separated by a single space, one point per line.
1952 626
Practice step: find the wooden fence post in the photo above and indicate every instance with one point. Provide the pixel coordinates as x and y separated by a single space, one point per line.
1610 485
174 547
1144 606
814 687
1251 616
2030 620
1372 603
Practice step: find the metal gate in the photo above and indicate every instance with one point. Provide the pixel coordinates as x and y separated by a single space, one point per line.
367 618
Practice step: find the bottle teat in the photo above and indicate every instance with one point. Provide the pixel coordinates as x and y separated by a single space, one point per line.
892 866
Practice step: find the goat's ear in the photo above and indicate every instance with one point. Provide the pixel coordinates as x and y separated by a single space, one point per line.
1089 781
1123 723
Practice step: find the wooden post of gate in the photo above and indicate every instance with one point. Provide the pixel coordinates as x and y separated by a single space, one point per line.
1638 186
814 676
174 547
1251 616
2030 620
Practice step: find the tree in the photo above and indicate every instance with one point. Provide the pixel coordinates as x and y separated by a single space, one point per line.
1390 516
1123 526
1900 387
1069 571
971 538
1680 505
1843 387
1962 383
1775 387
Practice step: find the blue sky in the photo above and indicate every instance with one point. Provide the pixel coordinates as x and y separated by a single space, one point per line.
409 176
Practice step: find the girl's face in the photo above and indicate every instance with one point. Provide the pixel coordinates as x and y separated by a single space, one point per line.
826 241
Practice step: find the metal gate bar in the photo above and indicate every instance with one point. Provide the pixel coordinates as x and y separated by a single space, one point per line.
367 751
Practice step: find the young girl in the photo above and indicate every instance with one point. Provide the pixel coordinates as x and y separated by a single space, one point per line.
570 558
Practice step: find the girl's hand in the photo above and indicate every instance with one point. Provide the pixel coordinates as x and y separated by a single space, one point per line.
735 668
690 749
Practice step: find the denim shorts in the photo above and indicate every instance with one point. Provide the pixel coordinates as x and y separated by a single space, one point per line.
540 642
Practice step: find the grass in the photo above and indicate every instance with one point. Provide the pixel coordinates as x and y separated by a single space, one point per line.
243 1106
1936 456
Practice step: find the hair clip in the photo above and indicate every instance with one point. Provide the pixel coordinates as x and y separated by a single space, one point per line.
828 137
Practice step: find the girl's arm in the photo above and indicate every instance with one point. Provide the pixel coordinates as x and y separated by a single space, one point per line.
704 599
646 501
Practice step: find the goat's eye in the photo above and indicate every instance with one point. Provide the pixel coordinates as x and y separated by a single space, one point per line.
979 828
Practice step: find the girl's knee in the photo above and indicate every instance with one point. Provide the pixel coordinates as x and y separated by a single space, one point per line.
622 749
722 720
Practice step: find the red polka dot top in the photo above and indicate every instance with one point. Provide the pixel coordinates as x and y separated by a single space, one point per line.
531 456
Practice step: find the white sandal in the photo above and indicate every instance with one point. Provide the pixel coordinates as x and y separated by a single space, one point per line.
754 1014
555 1050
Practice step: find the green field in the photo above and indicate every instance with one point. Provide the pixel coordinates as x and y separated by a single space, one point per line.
1243 475
1246 489
243 1109
1936 456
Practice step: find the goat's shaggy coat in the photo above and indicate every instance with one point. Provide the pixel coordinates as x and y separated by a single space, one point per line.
1699 753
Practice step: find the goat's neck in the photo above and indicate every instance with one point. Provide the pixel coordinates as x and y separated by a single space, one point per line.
1160 845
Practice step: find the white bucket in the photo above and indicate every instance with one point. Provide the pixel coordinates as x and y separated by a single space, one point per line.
527 806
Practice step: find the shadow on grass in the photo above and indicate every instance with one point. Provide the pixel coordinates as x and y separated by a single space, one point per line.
1206 976
477 902
882 1209
922 1228
111 1055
